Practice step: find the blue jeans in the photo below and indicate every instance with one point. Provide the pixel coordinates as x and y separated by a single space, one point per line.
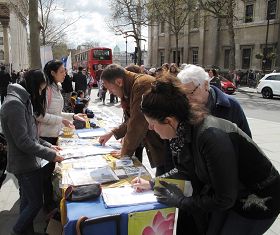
31 199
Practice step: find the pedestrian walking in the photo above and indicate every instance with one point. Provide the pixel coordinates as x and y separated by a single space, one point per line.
5 79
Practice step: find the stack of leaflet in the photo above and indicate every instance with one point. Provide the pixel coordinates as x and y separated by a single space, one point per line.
88 176
126 196
91 133
85 151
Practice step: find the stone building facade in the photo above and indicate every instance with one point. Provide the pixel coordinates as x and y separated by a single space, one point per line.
205 40
13 34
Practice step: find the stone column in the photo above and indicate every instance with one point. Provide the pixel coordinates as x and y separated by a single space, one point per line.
238 56
5 24
185 59
201 41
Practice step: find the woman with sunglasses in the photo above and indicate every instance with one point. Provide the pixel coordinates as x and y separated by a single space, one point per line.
233 181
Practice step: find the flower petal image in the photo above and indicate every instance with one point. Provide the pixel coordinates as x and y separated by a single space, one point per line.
172 215
163 227
148 231
157 219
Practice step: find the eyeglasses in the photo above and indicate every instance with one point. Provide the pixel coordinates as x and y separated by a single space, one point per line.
193 91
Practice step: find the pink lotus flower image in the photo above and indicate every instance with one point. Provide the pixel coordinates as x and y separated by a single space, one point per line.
161 225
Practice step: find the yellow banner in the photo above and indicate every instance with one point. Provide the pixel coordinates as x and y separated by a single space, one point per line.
153 222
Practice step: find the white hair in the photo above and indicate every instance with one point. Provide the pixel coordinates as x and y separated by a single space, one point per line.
193 73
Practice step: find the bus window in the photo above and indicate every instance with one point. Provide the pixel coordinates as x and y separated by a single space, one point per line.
101 55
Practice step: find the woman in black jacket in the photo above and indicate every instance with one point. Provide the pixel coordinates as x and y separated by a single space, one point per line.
233 180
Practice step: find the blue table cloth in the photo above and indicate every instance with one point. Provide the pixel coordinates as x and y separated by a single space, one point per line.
96 208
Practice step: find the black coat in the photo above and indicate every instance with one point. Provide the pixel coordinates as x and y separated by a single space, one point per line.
80 81
229 171
5 79
67 84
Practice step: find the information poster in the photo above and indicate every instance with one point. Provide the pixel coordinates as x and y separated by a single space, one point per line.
153 222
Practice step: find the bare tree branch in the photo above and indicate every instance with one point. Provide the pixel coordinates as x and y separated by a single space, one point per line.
53 33
175 13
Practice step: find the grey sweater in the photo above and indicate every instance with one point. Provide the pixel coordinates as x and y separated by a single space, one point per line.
25 149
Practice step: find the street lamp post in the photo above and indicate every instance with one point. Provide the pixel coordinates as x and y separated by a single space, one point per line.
126 49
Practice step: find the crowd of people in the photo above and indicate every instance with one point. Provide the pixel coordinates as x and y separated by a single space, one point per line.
193 131
189 128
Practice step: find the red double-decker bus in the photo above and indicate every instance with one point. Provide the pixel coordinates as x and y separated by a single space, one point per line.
90 59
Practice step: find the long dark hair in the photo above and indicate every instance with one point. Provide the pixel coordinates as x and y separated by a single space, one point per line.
166 98
32 81
52 65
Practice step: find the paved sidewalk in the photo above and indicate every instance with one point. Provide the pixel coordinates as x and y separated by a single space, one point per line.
247 89
265 134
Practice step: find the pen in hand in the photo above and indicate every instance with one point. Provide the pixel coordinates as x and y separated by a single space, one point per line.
139 175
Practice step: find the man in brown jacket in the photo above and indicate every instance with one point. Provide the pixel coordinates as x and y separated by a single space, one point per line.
134 130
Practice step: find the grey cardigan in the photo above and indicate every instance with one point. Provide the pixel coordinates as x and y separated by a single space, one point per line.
19 127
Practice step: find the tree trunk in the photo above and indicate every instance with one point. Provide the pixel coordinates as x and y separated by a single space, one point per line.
139 56
34 28
43 32
231 35
176 53
217 43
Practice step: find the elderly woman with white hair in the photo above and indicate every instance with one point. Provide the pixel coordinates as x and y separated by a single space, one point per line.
198 90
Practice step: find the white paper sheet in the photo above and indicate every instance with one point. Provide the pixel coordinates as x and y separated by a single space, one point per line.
85 151
95 132
89 176
126 196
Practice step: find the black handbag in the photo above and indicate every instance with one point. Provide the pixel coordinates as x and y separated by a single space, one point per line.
82 192
79 124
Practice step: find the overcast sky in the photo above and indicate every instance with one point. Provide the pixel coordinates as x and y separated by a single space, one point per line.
92 25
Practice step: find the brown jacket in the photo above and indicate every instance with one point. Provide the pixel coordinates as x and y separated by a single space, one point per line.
135 128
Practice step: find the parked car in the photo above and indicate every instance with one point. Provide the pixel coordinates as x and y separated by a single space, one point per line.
227 86
269 85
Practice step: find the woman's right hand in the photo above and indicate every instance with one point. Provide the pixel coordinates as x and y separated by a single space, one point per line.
67 123
104 138
140 184
58 159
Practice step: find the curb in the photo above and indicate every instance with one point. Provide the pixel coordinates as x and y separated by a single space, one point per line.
247 91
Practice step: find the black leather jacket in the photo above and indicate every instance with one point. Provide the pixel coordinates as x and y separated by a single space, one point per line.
228 171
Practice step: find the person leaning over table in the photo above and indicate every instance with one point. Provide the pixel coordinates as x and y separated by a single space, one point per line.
198 90
134 130
232 178
139 150
25 149
50 124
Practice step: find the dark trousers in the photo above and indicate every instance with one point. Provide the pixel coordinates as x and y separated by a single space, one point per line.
139 152
113 98
31 200
233 223
186 224
47 172
3 95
